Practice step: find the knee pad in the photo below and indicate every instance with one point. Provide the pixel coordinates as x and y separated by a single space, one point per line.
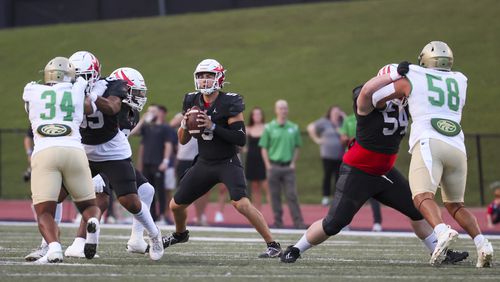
146 192
331 226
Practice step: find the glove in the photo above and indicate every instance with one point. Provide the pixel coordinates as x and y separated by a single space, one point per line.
99 87
403 68
99 183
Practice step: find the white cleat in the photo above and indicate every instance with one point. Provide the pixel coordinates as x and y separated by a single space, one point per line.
93 229
156 246
485 255
51 257
136 245
445 239
37 254
74 251
377 227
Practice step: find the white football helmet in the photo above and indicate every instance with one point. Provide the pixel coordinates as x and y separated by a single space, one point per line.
87 66
136 97
59 69
210 66
436 55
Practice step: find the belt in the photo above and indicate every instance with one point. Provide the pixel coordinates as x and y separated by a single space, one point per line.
281 163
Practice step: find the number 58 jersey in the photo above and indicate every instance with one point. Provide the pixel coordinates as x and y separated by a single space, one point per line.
436 102
55 113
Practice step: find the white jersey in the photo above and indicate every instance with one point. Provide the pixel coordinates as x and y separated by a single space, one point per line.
55 113
436 102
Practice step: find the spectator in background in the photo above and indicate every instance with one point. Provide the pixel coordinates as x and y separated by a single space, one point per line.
185 156
493 213
255 169
325 133
28 147
280 144
154 156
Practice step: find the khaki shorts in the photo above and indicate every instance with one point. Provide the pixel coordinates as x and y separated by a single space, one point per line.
52 167
449 170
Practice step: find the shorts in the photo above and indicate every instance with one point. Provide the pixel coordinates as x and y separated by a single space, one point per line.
204 175
121 175
449 169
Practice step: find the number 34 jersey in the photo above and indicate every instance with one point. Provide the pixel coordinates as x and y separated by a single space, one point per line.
435 95
55 113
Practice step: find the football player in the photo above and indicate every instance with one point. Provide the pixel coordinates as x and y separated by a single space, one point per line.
221 119
107 147
56 110
436 97
367 170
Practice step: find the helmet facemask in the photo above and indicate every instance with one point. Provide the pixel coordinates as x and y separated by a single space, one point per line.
87 66
136 98
216 83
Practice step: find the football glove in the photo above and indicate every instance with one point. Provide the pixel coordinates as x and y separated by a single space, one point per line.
403 68
99 183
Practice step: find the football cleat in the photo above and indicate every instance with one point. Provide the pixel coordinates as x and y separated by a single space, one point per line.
290 255
174 238
90 248
273 250
51 257
156 246
485 255
453 257
37 254
445 239
137 246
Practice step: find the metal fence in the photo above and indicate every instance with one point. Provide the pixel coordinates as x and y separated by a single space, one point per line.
483 151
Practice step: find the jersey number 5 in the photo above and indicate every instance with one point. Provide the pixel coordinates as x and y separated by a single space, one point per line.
452 97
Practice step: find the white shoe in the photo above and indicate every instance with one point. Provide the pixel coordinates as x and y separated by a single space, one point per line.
74 251
92 240
51 257
156 246
77 218
136 245
37 254
445 239
325 201
219 217
377 227
485 255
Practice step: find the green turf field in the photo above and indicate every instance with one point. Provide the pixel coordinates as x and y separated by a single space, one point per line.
230 255
310 54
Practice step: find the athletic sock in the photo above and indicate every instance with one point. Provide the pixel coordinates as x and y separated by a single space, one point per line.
440 228
430 241
146 193
303 245
58 215
144 217
479 240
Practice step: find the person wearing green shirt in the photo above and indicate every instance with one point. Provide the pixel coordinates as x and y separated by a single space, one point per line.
280 144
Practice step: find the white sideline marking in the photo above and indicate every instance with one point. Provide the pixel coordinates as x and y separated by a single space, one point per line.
248 230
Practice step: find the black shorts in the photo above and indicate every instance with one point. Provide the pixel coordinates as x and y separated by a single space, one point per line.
140 178
204 175
354 187
121 175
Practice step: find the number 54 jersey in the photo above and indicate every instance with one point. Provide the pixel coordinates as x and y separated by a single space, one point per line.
436 102
55 113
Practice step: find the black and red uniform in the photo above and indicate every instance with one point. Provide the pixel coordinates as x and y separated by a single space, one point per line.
367 169
217 160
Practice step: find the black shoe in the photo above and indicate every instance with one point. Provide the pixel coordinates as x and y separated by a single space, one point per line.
174 238
453 257
273 250
290 255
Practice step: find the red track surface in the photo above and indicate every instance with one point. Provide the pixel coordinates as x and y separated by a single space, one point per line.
20 210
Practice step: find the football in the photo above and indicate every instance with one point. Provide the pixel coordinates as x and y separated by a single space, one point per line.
192 123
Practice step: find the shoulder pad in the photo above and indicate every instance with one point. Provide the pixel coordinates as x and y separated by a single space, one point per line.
117 88
188 102
235 103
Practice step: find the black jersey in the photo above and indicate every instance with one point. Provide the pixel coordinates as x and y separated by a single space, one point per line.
381 131
99 128
227 105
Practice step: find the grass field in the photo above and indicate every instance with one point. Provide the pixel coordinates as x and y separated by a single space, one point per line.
309 54
224 254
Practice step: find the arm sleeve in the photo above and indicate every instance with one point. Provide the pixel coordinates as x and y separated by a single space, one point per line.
235 134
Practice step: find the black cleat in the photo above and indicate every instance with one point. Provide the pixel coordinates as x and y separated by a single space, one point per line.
290 255
273 250
174 238
453 257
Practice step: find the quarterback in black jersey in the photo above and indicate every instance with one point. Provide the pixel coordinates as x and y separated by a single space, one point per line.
221 118
367 171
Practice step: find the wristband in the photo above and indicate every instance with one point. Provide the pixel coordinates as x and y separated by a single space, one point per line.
166 161
183 124
213 126
93 97
395 76
94 107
